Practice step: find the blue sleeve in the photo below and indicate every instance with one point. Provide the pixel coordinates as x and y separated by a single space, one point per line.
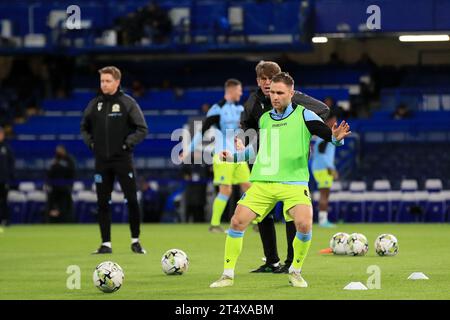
311 116
329 156
213 111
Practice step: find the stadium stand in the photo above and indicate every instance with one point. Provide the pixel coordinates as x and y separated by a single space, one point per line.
391 170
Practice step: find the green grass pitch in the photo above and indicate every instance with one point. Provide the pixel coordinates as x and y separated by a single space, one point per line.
34 260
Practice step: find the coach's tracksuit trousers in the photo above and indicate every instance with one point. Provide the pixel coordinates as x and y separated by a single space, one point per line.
105 172
269 239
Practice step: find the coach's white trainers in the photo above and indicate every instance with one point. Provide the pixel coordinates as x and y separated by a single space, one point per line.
224 281
296 280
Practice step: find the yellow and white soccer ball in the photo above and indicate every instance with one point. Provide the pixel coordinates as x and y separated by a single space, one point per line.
338 243
357 244
386 245
108 277
175 262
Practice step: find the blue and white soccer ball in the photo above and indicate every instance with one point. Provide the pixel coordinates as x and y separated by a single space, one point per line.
338 243
108 277
357 244
386 245
175 262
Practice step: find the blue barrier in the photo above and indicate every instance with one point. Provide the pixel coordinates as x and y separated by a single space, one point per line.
180 100
35 150
417 99
70 125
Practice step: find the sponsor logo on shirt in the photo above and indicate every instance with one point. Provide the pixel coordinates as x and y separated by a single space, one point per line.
279 124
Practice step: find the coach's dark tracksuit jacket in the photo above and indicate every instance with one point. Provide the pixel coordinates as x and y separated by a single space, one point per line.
257 104
112 126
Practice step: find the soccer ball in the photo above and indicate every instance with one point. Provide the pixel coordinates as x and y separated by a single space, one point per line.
108 276
175 262
357 244
338 243
386 245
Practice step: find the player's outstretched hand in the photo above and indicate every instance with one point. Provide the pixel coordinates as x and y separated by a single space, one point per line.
226 155
342 131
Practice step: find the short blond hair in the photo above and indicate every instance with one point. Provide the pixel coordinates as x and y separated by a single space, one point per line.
114 71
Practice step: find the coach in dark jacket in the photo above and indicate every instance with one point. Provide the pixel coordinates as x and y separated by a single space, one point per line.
112 125
6 176
257 104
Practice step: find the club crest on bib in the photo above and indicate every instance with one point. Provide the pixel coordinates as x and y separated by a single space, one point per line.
116 108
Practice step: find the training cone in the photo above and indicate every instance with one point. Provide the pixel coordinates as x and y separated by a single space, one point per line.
417 276
326 251
355 286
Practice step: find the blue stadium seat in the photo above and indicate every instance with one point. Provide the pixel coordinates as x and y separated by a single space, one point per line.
119 212
36 206
356 206
395 197
422 200
86 207
446 194
409 209
433 185
334 204
70 125
379 206
17 204
380 209
436 208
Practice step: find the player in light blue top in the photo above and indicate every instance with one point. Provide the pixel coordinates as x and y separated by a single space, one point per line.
324 172
323 159
225 117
